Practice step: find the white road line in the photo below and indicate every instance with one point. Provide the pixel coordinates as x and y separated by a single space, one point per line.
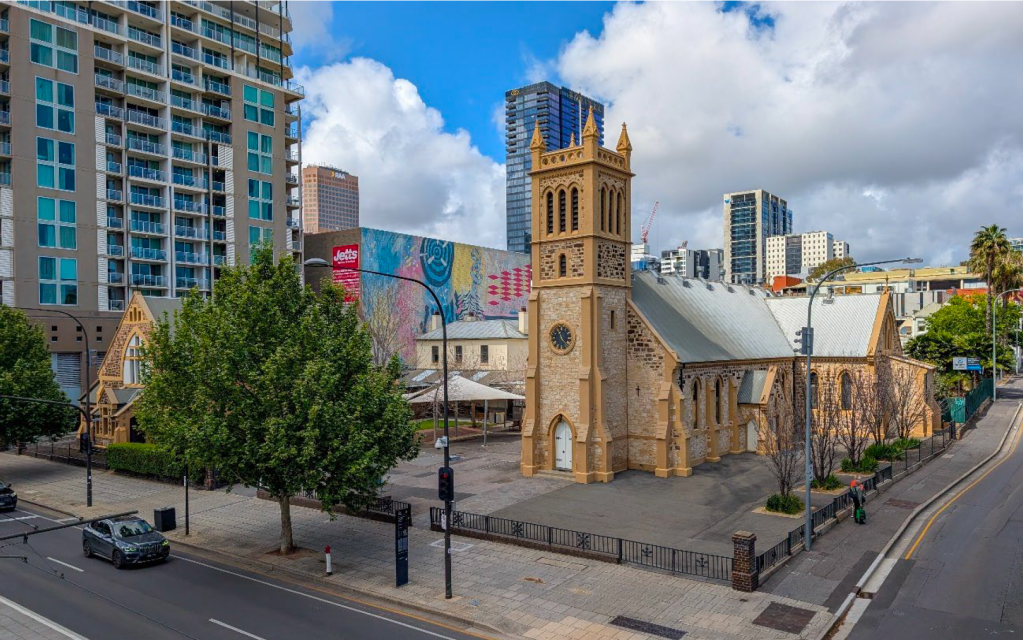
69 566
318 599
236 629
67 633
67 520
24 518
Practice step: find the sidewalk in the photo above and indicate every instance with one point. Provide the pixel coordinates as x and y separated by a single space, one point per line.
826 575
516 591
15 625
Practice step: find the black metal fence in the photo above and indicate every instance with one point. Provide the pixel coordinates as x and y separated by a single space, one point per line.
65 451
912 458
619 550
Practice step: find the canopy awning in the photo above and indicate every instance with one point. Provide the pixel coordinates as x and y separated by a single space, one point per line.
463 390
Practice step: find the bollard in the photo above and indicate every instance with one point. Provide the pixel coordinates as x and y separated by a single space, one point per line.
330 570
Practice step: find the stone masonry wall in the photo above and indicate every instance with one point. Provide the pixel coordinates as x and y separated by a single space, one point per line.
549 252
559 374
614 344
611 261
645 373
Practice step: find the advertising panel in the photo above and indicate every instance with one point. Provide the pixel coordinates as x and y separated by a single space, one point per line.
346 258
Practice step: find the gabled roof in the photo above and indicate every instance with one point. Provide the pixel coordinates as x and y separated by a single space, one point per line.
478 330
842 326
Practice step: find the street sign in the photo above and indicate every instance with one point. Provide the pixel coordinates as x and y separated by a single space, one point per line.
966 364
402 521
973 364
959 364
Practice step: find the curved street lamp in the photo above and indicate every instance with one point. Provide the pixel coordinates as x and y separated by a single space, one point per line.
320 262
994 343
807 341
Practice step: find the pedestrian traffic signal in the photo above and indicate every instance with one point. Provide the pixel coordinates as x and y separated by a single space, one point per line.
804 338
446 484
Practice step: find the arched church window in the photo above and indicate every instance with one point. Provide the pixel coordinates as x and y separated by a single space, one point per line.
562 266
611 211
603 207
618 214
132 362
575 209
561 211
550 212
813 390
846 392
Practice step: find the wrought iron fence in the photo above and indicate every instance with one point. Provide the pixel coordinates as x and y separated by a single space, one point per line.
620 550
66 452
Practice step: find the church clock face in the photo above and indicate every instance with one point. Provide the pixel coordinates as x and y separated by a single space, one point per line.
562 338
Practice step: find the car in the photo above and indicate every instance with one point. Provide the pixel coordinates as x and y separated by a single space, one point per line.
125 540
8 499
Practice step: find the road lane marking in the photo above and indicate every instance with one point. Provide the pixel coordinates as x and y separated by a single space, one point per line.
67 520
236 629
346 607
64 631
32 517
909 554
69 566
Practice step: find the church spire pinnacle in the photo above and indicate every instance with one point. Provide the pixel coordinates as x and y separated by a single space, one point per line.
537 142
590 130
571 140
624 144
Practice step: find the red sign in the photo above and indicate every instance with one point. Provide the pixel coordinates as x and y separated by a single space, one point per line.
347 256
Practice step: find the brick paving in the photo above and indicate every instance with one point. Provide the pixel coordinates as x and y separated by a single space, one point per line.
514 591
15 625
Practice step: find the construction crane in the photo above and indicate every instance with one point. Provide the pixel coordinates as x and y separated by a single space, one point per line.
645 227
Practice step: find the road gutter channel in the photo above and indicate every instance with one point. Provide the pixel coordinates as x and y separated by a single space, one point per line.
872 571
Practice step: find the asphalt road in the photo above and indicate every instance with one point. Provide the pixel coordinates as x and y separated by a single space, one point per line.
186 597
964 579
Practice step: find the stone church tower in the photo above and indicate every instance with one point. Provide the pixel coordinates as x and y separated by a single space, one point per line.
576 417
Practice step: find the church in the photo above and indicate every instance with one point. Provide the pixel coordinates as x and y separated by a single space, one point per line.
662 373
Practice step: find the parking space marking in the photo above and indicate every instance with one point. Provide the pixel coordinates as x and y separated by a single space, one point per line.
69 566
236 629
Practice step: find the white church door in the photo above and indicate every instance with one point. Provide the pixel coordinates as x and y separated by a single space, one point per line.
751 436
563 447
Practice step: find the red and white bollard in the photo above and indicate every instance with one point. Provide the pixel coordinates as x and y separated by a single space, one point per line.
330 570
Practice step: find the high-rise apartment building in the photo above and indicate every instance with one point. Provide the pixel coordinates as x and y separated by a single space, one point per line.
841 249
560 114
330 199
143 145
693 263
801 253
750 218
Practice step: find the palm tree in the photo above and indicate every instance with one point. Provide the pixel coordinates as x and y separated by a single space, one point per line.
1008 273
990 245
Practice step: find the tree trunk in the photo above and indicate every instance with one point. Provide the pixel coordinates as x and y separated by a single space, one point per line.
287 540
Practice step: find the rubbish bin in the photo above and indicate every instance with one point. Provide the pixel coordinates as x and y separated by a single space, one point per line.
164 519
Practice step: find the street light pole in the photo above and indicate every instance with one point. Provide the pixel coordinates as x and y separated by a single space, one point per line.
320 262
994 343
808 348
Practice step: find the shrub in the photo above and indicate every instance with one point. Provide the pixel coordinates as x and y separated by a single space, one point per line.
830 483
790 504
144 459
867 464
881 451
905 443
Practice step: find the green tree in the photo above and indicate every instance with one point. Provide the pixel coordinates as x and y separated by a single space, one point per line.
25 371
275 387
1008 273
828 266
989 248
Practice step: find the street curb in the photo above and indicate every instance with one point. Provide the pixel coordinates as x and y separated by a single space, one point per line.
858 587
48 507
240 562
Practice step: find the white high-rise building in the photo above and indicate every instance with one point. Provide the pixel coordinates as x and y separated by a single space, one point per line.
799 254
693 263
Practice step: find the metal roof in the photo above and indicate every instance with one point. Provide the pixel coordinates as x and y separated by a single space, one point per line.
752 387
842 326
478 330
709 321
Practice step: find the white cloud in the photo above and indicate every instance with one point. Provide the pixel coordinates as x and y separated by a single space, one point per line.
413 176
896 126
311 31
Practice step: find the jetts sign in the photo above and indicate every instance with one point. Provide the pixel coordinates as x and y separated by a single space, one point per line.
346 258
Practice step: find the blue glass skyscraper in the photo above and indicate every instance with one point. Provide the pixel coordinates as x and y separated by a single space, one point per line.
560 112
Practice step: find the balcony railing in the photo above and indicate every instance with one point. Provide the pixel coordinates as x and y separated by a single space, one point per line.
296 245
115 250
5 117
145 119
146 200
5 148
219 210
215 111
188 283
109 55
189 206
293 223
219 236
185 51
184 103
146 280
5 178
115 194
183 23
137 171
291 109
216 61
219 260
187 129
115 305
5 26
145 92
219 186
291 132
144 65
115 277
220 36
113 139
109 110
185 180
145 253
144 9
109 83
217 87
191 258
291 178
293 201
146 38
218 136
114 167
189 155
183 231
145 226
5 56
104 24
291 156
115 223
71 13
182 76
146 146
5 87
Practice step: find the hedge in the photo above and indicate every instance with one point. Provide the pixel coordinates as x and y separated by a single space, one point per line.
144 459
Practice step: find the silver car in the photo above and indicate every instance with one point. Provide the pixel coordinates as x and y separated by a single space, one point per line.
124 541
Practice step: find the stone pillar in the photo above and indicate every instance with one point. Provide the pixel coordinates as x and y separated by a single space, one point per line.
745 576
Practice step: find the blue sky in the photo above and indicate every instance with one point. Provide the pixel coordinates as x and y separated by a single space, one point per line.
462 56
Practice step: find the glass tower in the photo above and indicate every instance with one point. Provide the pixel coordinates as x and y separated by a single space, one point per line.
560 112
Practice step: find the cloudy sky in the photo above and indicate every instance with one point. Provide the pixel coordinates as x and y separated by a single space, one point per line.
897 127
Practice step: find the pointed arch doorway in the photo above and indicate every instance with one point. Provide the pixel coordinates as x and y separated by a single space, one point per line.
563 446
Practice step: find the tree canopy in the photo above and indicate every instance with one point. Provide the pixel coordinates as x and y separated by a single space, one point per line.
275 387
827 266
25 371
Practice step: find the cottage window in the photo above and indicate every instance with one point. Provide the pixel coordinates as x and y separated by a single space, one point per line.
435 354
458 354
484 354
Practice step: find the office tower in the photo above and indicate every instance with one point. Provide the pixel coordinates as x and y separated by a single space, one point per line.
143 145
750 218
561 114
801 253
840 249
330 199
693 263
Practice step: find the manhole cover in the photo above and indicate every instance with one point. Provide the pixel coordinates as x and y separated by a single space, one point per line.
782 617
648 628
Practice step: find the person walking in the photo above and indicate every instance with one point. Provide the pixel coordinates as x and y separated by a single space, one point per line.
859 500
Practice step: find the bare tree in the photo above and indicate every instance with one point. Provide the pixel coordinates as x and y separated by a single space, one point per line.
383 323
825 424
855 423
872 400
906 404
782 444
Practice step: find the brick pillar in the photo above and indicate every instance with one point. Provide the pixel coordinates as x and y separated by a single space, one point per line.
745 576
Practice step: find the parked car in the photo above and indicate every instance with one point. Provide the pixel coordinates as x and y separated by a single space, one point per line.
8 499
124 541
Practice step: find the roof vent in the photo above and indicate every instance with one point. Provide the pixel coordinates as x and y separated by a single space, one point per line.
709 287
730 289
751 292
660 280
686 283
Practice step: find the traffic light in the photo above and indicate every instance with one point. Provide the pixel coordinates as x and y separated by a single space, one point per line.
83 444
446 484
804 338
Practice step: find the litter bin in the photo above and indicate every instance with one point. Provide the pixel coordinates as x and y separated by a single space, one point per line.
164 519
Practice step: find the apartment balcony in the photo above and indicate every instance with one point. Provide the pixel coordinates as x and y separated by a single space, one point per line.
145 173
219 186
191 283
218 136
291 179
184 24
216 61
291 156
191 258
293 223
5 118
145 253
143 9
146 200
145 38
110 56
109 111
219 236
146 66
189 206
115 195
113 222
184 103
219 210
105 25
214 111
291 133
198 157
146 146
71 13
153 95
146 280
219 261
5 26
115 277
110 84
115 305
114 167
5 178
212 86
5 148
293 201
145 226
290 110
296 245
213 34
184 77
193 182
146 120
185 51
114 140
182 231
185 129
115 250
5 57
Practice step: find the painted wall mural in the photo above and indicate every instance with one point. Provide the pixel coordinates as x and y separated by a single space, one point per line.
489 283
